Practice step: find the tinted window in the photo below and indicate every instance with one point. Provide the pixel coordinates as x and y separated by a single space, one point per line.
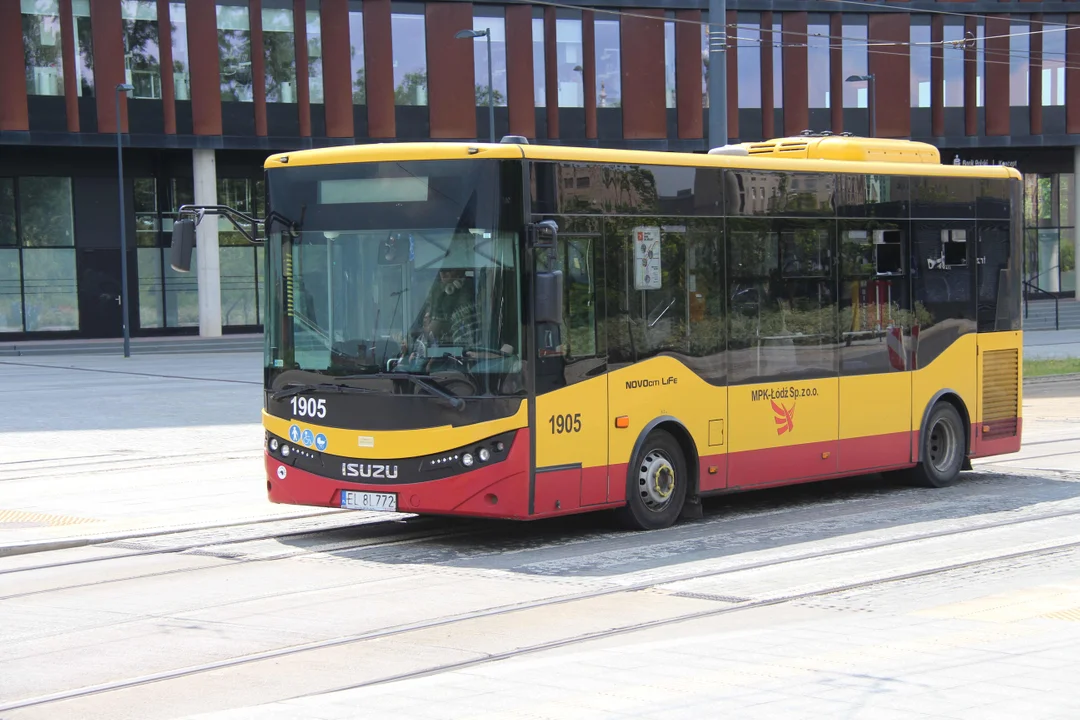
882 196
875 304
943 197
752 192
783 300
943 257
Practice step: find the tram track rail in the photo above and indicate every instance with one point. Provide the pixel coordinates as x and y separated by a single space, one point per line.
732 605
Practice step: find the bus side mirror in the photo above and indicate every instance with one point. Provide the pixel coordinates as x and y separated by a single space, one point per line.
549 297
183 242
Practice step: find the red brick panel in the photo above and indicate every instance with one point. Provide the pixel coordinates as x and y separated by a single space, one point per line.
836 73
13 111
337 68
642 50
688 96
303 93
891 67
1035 78
997 75
168 86
108 64
67 47
588 65
379 69
796 90
451 74
521 99
768 125
205 67
258 66
937 76
1072 74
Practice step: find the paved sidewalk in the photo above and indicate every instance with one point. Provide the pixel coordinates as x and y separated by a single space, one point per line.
94 447
993 642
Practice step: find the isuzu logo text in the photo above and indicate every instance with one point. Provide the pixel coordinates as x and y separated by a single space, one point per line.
369 470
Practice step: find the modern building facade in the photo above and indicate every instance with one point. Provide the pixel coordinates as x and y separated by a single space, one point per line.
219 84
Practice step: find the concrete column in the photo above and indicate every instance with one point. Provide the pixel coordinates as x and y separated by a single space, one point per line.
207 259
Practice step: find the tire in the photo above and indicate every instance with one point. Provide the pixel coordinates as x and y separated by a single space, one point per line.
656 484
943 449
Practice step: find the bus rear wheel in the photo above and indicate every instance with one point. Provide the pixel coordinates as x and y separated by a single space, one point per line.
943 450
656 484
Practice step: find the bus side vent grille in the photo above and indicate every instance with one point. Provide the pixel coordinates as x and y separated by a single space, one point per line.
1000 393
779 147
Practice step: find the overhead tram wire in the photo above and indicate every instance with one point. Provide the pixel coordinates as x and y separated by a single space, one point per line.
852 41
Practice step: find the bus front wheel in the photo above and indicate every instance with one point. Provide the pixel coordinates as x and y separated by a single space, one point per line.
943 450
656 484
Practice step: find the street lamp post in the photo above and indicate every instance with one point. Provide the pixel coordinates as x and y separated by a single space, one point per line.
869 80
485 33
122 88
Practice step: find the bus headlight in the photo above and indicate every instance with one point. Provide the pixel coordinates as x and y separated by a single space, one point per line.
467 459
484 454
284 451
273 444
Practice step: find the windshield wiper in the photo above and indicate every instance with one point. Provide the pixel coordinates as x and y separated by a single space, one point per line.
294 388
419 381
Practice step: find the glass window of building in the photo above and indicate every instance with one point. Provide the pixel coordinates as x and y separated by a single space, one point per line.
356 52
1019 57
980 62
748 48
314 52
409 40
609 62
141 66
181 289
491 18
279 49
151 289
705 31
817 61
1053 61
953 58
42 273
920 61
239 289
1049 227
10 274
854 56
84 48
569 59
234 48
181 70
669 62
539 61
42 47
778 64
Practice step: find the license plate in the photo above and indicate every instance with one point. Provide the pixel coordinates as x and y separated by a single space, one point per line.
357 500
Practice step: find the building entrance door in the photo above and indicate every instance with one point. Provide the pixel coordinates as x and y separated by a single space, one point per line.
100 292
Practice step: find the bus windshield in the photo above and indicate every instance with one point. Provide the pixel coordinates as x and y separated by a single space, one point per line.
396 268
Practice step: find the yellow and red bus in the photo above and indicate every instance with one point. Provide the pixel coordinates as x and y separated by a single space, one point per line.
521 331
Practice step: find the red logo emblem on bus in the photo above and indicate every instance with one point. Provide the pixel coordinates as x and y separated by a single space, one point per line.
785 419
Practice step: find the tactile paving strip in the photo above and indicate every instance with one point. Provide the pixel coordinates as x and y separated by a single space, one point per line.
24 517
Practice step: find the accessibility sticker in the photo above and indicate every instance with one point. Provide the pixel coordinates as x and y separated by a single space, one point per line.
294 433
320 442
308 437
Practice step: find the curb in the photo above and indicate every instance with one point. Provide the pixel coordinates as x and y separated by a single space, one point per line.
36 546
1048 379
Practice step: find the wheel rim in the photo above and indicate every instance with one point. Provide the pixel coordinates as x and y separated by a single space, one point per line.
656 480
943 446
